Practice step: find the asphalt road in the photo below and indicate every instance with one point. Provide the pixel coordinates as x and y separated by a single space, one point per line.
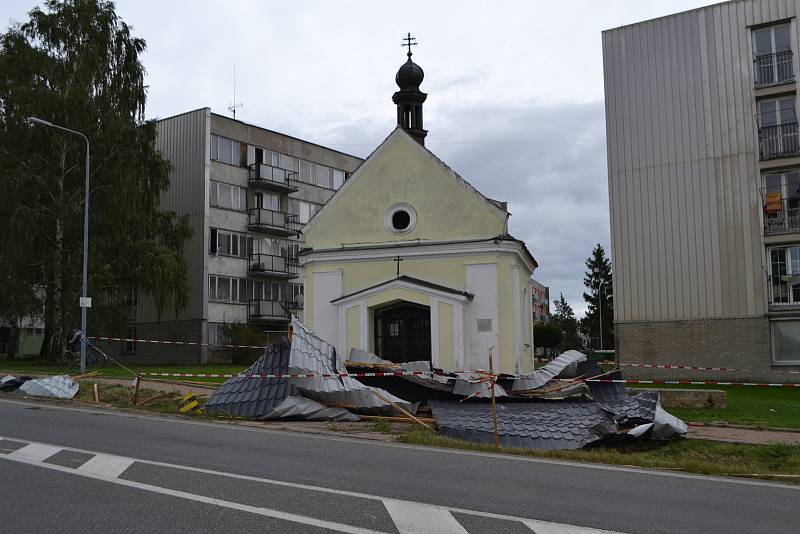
146 474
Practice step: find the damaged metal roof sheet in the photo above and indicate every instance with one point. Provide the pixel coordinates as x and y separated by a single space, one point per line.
58 387
537 425
311 354
613 397
254 397
541 376
308 410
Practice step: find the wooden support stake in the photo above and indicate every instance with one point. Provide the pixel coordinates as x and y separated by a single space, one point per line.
494 403
152 398
96 393
396 407
136 390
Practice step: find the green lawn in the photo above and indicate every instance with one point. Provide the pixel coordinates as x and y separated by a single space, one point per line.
747 405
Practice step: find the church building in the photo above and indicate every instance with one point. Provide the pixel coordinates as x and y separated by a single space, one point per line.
410 262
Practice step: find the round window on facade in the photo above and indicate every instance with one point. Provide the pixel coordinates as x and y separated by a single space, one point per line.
400 219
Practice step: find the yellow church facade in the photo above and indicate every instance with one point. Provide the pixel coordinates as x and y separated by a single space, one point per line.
410 262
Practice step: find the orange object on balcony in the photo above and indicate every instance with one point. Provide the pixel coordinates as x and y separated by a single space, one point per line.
773 203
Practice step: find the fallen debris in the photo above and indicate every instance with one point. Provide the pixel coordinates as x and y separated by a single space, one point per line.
558 366
58 387
11 383
296 407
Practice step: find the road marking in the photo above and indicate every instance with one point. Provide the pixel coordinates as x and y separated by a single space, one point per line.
543 527
35 452
106 465
422 509
415 518
438 450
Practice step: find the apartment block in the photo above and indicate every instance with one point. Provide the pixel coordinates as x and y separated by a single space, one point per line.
247 191
540 300
704 188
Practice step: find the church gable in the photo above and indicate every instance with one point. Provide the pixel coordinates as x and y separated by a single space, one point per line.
402 192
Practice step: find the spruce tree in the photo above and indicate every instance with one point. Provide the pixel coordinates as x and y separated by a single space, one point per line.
75 63
599 299
564 319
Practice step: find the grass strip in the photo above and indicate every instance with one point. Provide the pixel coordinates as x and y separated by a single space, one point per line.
769 462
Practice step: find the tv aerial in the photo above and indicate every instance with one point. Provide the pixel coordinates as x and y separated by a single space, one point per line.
233 106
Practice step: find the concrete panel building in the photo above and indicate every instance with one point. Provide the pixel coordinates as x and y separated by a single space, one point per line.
247 191
704 187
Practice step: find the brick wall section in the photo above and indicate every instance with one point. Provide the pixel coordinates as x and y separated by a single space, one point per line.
739 342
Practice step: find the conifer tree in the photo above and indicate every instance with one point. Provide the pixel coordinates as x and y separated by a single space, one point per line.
564 319
599 299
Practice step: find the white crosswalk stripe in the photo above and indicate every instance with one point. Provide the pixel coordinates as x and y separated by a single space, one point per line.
544 527
106 465
416 518
35 452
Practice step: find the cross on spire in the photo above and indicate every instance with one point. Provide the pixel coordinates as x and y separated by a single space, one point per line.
409 42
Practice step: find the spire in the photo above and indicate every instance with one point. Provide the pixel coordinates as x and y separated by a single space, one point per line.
409 98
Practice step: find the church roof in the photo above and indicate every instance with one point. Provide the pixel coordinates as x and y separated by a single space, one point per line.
409 280
497 207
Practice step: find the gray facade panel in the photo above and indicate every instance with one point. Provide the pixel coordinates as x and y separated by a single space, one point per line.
683 163
184 140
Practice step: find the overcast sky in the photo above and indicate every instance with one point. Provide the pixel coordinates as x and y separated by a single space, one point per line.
515 91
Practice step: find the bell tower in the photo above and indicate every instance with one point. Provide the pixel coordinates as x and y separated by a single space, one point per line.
409 98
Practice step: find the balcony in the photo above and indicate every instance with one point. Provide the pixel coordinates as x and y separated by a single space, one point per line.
271 266
272 178
781 215
774 68
778 141
267 310
272 222
784 292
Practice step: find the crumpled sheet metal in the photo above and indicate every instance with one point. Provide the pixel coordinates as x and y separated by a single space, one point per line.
254 397
437 382
311 354
530 425
308 410
541 376
56 387
480 390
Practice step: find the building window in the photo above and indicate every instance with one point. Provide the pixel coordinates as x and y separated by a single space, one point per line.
784 276
130 340
228 151
302 209
227 196
781 201
218 334
227 243
777 128
773 55
401 218
297 292
785 342
230 290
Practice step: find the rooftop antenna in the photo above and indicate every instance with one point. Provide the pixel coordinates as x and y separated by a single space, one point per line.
233 105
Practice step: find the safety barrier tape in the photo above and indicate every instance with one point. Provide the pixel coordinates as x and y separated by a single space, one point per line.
683 367
265 376
185 343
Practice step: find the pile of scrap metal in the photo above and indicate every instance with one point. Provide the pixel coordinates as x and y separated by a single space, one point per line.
315 398
555 407
54 387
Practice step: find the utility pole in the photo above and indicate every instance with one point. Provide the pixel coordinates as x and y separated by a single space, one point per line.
85 301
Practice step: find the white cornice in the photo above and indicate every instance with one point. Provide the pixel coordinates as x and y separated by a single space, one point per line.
427 251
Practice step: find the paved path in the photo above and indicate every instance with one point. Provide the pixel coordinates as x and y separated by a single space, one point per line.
743 435
134 473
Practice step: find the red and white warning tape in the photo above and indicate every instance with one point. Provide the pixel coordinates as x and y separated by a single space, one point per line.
265 376
184 343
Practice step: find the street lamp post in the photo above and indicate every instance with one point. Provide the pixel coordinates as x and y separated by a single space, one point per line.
85 301
600 309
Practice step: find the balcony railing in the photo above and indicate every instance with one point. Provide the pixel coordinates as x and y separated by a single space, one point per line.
781 215
784 292
269 263
261 173
267 309
773 68
778 141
